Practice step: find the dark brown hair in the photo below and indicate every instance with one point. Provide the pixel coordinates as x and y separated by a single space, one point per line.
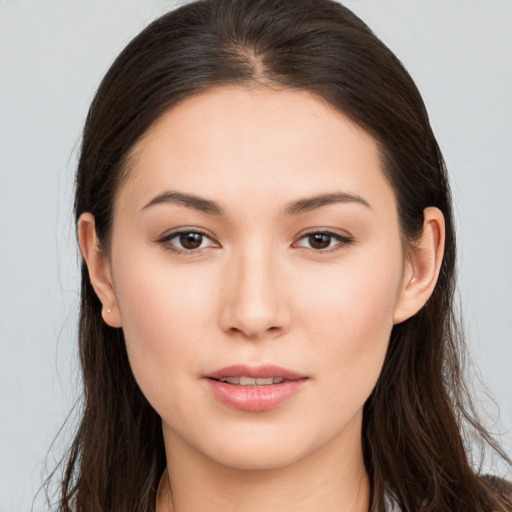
414 447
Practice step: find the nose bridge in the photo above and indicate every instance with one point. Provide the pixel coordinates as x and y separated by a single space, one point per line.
254 305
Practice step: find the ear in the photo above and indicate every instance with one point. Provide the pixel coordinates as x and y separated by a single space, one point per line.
98 265
422 266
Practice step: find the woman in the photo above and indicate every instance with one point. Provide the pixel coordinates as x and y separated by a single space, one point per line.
268 245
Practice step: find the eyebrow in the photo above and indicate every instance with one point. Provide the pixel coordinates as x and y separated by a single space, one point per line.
188 200
312 203
295 208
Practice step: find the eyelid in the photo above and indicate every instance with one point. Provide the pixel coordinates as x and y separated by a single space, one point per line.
165 240
343 239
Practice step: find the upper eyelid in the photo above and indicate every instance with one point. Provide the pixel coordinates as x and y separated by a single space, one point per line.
324 231
165 241
342 239
311 231
178 231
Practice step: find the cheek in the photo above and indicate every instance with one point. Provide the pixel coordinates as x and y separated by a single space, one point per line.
165 314
356 299
349 320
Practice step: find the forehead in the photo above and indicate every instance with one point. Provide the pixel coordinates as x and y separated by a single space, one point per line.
236 142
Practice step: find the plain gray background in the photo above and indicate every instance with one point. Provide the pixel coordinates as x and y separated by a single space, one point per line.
52 56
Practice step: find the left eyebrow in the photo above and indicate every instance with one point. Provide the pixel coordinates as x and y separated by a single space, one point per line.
312 203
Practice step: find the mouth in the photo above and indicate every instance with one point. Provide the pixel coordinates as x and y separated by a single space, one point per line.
245 375
254 389
249 381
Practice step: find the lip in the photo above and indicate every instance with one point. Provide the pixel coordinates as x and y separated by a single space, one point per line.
254 398
256 372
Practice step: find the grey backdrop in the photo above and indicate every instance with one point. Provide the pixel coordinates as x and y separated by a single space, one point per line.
52 56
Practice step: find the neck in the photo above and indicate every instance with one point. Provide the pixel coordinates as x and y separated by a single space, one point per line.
333 479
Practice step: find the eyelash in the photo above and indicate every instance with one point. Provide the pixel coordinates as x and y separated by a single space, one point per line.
342 240
168 245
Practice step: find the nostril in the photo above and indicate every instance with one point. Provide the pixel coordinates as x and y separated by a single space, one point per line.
256 333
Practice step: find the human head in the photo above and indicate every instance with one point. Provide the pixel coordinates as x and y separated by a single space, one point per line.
312 45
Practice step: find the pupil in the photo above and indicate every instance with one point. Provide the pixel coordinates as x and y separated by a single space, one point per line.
191 240
319 241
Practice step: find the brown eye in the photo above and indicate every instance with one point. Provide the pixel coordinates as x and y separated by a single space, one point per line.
187 242
323 241
191 241
319 240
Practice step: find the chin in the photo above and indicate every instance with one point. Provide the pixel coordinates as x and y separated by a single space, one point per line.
244 447
263 458
260 448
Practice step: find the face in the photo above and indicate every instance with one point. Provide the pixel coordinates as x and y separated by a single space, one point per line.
257 238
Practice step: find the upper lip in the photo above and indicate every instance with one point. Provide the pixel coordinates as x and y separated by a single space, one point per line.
255 372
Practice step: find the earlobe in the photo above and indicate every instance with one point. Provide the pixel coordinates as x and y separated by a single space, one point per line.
98 266
422 266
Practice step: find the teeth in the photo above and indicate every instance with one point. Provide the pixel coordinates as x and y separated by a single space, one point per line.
249 381
265 382
231 380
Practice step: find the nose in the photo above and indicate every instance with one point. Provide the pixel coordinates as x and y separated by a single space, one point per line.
253 302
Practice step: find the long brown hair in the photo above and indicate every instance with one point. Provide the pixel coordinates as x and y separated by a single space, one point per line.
414 444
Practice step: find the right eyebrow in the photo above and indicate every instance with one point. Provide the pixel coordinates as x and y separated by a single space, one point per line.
187 200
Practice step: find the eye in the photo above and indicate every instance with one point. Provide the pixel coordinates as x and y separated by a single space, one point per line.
323 240
187 241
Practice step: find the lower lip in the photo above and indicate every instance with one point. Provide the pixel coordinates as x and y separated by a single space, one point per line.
255 398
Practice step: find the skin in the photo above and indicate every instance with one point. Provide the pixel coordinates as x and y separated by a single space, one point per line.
259 290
